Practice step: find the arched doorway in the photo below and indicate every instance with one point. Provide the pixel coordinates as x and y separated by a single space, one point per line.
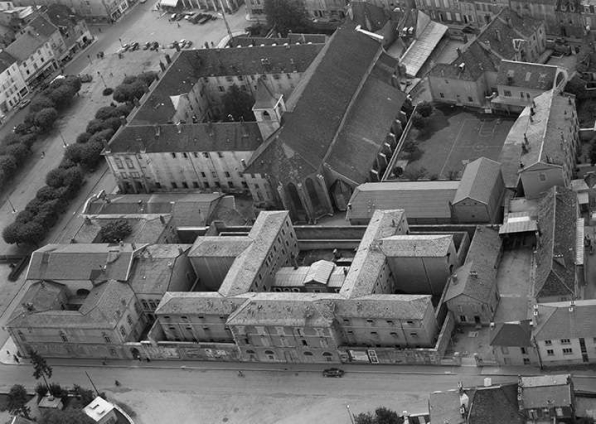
313 194
296 205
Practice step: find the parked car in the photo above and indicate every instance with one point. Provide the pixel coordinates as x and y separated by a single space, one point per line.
188 44
24 103
126 47
134 46
147 45
173 17
179 17
333 372
154 46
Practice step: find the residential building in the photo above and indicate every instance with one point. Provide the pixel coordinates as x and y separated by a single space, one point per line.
35 56
471 78
519 83
476 198
559 261
81 300
325 10
98 10
547 398
541 147
542 10
472 295
512 343
43 28
12 84
480 193
73 29
336 145
563 332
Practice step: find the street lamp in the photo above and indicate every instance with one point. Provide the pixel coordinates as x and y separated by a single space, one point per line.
90 61
63 141
102 80
350 414
11 205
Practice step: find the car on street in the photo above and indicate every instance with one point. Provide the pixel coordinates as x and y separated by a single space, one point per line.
134 46
173 17
85 77
179 17
333 372
147 45
24 103
188 44
154 46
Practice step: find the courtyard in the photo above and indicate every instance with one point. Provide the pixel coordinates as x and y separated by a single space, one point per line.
456 136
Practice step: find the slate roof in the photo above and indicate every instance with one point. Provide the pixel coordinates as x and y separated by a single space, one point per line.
385 306
160 268
515 333
96 262
419 199
211 303
555 257
6 60
189 66
417 246
25 45
62 15
292 38
42 26
370 16
477 60
547 391
527 75
521 27
478 181
265 96
477 277
283 309
209 137
495 405
337 116
102 309
369 259
555 321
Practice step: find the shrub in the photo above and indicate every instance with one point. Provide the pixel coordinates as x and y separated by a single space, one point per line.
101 136
115 231
129 79
83 137
57 390
107 91
41 389
85 395
73 153
418 121
425 109
113 123
8 165
105 112
123 109
47 193
95 125
11 138
147 77
414 174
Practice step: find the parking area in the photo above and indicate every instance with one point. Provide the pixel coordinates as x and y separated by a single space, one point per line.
457 136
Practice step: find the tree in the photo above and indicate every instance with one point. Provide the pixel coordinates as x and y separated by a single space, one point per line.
86 396
286 16
48 193
32 233
41 369
10 233
382 415
425 109
62 96
55 178
95 125
45 118
66 416
137 89
122 93
419 122
91 154
17 401
115 231
82 138
105 112
74 82
8 165
104 135
147 77
577 87
18 151
39 103
73 153
238 104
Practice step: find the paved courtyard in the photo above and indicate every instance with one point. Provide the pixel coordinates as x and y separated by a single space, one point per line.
457 136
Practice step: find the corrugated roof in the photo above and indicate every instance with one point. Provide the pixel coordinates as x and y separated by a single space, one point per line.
426 199
478 181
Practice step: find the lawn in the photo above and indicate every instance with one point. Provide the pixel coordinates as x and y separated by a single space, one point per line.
454 137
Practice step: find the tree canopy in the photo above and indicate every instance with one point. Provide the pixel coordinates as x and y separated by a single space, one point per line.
115 231
382 415
41 369
66 416
286 16
238 105
17 401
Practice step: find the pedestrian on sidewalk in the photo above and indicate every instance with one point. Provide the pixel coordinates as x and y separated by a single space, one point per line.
43 154
178 23
16 359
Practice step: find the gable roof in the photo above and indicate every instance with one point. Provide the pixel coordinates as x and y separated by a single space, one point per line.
211 303
535 76
62 15
555 258
428 36
478 180
556 321
476 279
42 27
495 405
419 199
338 115
546 391
514 333
96 262
265 98
210 137
189 66
474 60
417 246
6 60
25 45
159 268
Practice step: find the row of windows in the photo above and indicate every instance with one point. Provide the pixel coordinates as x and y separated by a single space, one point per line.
195 184
566 351
562 341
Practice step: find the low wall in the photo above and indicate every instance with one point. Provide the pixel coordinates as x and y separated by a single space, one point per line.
586 134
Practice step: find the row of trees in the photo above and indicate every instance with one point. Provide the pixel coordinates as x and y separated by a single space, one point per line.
43 112
382 415
64 182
